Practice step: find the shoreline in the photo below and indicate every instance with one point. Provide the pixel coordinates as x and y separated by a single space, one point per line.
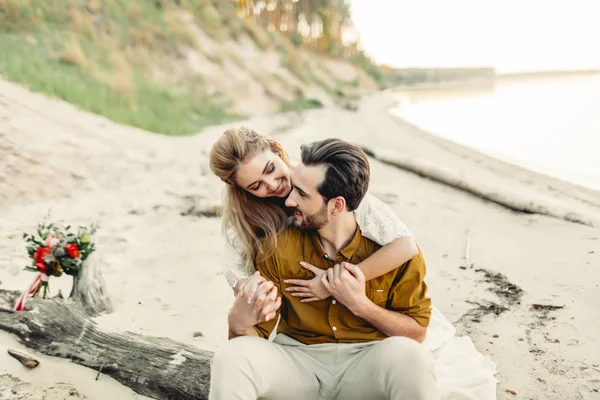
162 259
494 162
479 82
471 167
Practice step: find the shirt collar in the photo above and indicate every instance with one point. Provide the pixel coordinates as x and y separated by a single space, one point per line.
347 251
351 247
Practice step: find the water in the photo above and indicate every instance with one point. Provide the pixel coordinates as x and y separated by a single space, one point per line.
550 125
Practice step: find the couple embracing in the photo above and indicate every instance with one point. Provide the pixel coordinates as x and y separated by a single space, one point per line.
328 267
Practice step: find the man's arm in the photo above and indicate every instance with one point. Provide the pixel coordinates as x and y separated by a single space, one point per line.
246 332
391 323
346 283
256 309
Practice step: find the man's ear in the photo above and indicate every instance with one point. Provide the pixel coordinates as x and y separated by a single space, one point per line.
339 205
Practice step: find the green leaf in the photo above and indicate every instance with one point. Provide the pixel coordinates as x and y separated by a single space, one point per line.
30 269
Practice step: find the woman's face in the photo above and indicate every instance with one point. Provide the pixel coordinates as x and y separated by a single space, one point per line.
265 175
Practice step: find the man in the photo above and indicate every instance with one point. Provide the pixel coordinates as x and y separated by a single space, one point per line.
363 343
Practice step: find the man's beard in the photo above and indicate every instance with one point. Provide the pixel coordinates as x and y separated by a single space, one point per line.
315 221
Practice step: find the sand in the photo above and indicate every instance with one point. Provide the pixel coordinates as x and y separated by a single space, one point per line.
162 259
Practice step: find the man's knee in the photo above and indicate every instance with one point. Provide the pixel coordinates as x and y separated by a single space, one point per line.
237 351
401 351
406 369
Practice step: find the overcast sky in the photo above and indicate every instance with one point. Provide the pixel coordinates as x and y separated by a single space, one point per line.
511 35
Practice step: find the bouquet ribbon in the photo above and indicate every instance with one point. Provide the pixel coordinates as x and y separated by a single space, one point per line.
40 280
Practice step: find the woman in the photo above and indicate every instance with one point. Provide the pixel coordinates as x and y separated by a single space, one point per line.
256 171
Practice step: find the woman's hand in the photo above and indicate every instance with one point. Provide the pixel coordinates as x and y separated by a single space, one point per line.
239 286
312 289
246 287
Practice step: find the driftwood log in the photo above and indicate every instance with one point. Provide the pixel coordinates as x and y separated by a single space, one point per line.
155 367
520 199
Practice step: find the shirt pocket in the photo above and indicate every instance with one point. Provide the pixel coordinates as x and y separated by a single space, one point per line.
378 294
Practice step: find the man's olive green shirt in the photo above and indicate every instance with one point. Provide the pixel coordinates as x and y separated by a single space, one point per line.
401 290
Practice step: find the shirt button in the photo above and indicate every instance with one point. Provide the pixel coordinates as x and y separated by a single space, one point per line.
334 328
333 301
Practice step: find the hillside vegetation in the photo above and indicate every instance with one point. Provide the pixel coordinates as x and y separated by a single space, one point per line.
176 66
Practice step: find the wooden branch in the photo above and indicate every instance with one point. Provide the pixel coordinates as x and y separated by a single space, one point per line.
156 367
520 198
468 249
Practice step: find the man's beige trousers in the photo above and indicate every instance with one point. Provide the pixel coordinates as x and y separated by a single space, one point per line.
250 368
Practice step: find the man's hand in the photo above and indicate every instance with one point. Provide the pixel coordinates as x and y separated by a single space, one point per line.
246 313
346 283
311 289
247 287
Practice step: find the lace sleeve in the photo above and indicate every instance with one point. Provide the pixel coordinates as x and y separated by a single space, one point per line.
378 222
233 262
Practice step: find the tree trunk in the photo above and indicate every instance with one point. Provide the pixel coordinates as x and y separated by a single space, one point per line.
156 367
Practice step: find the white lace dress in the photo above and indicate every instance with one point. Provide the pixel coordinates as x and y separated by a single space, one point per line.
462 371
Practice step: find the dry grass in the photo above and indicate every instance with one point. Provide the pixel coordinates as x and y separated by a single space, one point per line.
106 50
139 57
293 61
179 30
118 76
73 54
133 12
95 5
144 36
214 58
258 34
237 60
83 23
211 22
17 15
121 80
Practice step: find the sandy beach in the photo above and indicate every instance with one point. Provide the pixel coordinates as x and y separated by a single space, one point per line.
161 254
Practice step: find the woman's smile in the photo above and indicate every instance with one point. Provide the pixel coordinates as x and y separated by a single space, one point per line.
282 189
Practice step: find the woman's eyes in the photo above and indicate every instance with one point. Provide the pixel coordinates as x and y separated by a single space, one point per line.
269 171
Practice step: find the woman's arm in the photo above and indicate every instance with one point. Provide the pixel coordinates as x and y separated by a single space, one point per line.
389 257
379 223
235 270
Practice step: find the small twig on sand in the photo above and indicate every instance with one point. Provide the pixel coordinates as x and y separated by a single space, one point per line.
468 249
100 370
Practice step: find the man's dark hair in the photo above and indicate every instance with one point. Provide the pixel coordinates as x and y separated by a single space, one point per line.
348 171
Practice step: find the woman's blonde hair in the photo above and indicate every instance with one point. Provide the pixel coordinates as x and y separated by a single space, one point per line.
256 221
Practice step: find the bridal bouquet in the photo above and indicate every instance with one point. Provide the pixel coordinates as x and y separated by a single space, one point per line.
53 251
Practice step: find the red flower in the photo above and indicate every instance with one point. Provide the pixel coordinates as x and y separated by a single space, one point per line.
41 266
72 250
40 254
